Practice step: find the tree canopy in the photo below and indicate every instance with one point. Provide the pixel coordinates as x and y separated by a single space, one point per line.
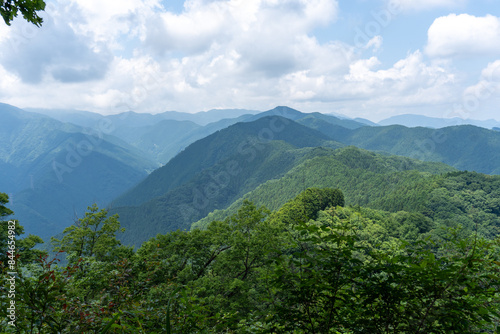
9 9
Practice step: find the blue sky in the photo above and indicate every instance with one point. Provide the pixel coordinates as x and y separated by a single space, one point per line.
361 58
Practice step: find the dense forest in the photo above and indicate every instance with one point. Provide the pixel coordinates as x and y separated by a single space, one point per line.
314 265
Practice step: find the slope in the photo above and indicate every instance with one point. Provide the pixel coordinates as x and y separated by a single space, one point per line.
464 147
213 172
241 138
54 170
364 177
465 200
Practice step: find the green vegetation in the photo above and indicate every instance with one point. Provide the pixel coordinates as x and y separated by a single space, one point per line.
388 183
28 8
313 266
464 147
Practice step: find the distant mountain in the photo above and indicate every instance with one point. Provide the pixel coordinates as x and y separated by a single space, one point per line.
162 136
53 170
76 117
365 121
464 147
210 116
410 120
134 119
296 115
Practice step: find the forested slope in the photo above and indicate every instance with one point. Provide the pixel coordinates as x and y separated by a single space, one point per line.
464 147
388 183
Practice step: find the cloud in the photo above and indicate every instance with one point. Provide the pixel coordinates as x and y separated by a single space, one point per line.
463 35
213 54
55 51
487 88
248 24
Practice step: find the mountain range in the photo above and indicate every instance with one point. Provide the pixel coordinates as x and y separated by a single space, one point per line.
167 171
410 120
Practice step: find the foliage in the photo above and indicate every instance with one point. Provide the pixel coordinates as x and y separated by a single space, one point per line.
28 8
24 248
313 266
93 236
434 285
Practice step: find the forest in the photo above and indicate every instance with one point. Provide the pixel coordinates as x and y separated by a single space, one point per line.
314 265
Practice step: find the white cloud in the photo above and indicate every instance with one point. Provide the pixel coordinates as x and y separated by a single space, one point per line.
106 21
375 43
223 53
464 35
484 94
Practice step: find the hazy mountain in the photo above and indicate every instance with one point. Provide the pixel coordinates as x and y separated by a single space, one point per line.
296 115
210 116
410 120
77 117
162 136
464 147
53 170
365 121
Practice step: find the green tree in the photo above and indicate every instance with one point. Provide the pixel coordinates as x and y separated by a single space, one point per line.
435 285
28 8
92 236
24 252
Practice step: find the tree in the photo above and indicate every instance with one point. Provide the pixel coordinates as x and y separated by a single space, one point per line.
29 8
92 236
24 252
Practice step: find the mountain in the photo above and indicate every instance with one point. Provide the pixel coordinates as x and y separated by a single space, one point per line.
296 115
53 170
410 120
76 117
210 116
130 118
464 147
213 172
162 136
364 177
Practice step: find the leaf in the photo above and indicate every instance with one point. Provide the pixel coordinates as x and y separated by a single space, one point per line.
108 326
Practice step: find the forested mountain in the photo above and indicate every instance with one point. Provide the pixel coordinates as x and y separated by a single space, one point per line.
53 170
215 171
196 152
464 147
388 183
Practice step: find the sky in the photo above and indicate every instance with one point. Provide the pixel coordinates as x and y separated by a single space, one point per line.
360 58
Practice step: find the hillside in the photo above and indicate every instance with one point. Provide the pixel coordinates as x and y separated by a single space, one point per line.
212 173
387 183
243 139
53 171
364 177
464 147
